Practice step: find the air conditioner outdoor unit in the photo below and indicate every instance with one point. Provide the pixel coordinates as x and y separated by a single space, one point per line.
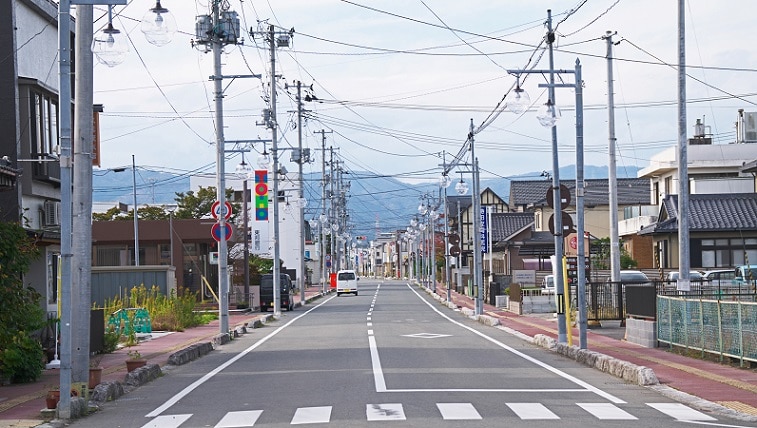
52 213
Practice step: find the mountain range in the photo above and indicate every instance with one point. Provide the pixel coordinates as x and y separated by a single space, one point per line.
375 202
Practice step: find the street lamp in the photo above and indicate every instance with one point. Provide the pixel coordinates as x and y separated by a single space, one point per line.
108 46
517 100
461 187
158 25
548 114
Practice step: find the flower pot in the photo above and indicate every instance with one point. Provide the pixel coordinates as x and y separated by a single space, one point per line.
95 376
52 398
133 364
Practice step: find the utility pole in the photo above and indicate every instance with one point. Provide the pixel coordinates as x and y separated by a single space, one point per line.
324 217
136 211
684 260
302 195
612 169
275 154
562 335
478 282
223 268
82 197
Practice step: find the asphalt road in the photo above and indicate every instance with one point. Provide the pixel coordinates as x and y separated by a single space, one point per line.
391 355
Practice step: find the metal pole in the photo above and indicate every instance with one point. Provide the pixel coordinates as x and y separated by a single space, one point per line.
478 282
562 336
460 255
684 260
447 264
581 259
303 272
246 237
64 82
612 168
136 211
82 196
323 210
275 153
223 279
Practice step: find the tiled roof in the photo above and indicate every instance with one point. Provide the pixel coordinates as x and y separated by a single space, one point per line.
631 191
707 213
504 225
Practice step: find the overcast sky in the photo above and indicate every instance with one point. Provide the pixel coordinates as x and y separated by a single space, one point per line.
400 80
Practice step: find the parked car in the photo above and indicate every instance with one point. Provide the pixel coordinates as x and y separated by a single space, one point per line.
693 276
745 275
633 277
548 285
720 277
266 292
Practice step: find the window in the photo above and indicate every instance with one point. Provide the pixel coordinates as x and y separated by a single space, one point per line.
43 134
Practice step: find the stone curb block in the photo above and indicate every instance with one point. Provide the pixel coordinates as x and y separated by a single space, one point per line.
639 375
488 320
107 391
220 339
190 353
143 375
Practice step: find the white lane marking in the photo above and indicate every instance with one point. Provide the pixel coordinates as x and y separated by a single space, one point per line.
184 392
167 421
370 324
385 412
680 412
426 335
239 419
458 411
607 411
369 318
370 332
587 386
378 373
312 415
531 411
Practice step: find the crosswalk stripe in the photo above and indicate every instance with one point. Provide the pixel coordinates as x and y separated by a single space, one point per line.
312 415
681 412
607 411
239 419
167 421
458 411
385 412
531 411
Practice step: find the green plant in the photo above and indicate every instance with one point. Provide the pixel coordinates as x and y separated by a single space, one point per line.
134 355
94 361
110 340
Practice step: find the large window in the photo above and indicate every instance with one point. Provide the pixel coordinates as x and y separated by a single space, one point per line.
728 252
43 135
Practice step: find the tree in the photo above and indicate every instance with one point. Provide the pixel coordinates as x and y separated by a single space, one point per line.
20 354
150 212
197 205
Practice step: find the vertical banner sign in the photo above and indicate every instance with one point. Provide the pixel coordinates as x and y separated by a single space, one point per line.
261 195
484 225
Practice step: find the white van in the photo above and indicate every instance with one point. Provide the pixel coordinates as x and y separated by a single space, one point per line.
548 285
346 282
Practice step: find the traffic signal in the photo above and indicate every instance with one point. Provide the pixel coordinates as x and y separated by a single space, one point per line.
261 195
454 244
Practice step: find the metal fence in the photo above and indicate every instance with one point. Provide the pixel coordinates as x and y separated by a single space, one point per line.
727 328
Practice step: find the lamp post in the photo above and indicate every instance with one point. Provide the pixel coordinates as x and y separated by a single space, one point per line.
136 216
548 117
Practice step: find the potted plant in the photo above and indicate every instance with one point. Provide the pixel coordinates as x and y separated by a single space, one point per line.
53 396
95 371
134 361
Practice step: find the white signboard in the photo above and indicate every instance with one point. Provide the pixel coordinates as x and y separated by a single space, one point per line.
524 277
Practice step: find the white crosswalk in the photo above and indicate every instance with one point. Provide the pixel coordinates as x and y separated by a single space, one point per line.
447 411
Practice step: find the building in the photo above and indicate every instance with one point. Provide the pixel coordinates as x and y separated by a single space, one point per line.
29 120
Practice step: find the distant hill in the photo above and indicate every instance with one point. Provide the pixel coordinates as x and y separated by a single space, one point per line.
385 200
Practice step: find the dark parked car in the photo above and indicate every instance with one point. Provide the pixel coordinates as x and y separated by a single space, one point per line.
266 292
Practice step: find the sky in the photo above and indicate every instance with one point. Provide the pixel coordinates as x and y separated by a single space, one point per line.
398 82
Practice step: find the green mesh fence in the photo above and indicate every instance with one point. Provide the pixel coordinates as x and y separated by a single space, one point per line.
721 327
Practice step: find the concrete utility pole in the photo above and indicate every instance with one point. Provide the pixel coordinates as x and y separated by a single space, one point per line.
612 168
64 82
302 194
562 336
321 223
82 196
223 253
684 258
136 210
275 154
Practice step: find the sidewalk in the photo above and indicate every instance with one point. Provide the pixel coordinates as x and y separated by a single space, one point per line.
21 404
686 379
